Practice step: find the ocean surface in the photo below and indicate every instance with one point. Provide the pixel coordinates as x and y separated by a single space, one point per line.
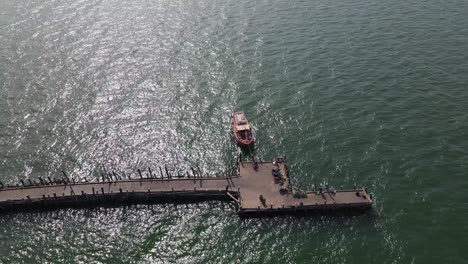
372 93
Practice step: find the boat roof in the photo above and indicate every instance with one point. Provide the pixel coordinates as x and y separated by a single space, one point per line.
240 118
241 121
243 127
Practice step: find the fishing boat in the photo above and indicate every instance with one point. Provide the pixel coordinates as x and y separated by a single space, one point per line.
243 133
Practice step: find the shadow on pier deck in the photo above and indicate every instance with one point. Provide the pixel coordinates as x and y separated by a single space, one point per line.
255 192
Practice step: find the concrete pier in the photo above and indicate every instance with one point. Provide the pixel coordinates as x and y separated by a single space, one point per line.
259 188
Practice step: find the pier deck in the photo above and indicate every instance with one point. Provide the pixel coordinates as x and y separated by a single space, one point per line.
244 189
254 183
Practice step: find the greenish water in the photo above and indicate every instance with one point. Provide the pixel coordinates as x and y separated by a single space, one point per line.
367 92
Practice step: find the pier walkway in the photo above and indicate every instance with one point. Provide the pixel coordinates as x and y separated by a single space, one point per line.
257 189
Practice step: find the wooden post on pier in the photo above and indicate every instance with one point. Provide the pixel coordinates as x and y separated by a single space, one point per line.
64 174
199 171
167 172
139 173
117 177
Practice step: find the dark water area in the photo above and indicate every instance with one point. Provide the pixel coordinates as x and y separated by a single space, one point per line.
372 93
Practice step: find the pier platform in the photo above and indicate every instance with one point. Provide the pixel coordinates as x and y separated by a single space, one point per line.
258 188
255 182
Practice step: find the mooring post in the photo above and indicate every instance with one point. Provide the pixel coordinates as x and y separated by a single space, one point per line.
102 190
93 190
160 171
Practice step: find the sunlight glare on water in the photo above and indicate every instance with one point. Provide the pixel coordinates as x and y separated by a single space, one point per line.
360 92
